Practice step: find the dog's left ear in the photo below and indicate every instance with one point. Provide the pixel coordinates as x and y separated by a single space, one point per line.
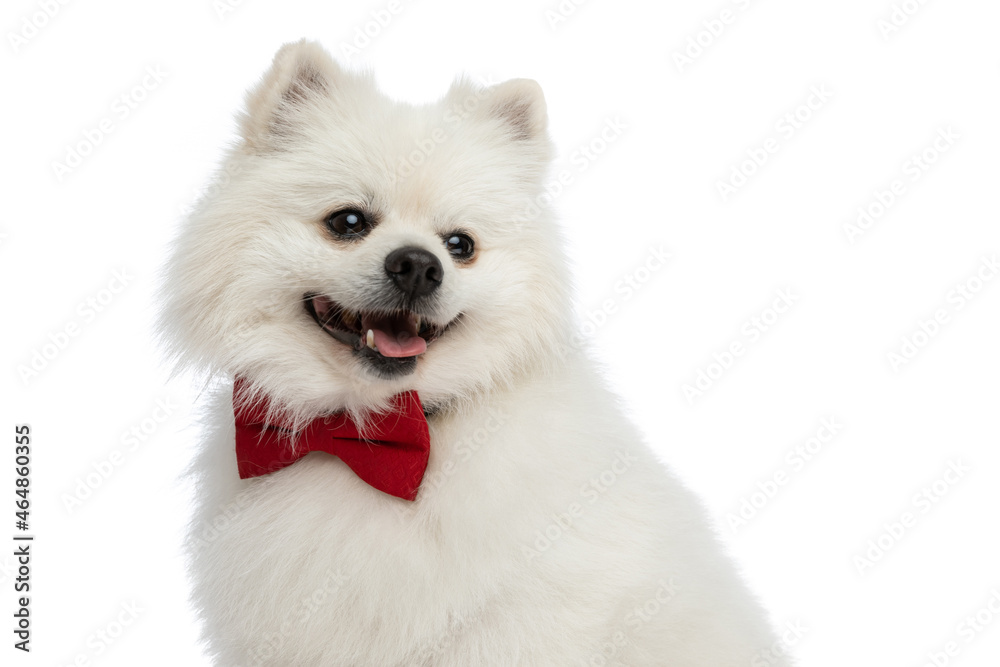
520 104
302 74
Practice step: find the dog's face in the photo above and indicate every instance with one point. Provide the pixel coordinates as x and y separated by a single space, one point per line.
361 247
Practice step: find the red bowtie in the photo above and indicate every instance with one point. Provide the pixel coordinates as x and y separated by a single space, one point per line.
391 457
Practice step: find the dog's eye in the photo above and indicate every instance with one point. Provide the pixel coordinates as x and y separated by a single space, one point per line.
459 245
349 223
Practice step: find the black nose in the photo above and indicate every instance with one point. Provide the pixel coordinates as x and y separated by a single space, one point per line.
415 271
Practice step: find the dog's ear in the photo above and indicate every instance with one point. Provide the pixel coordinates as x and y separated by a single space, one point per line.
520 104
302 74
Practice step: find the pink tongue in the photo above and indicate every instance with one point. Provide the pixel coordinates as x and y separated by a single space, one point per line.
399 345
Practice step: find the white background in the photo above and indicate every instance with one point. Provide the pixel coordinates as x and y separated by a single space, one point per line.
683 129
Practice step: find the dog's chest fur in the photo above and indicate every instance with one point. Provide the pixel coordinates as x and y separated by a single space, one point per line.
540 529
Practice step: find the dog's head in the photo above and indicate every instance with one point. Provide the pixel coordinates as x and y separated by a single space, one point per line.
355 247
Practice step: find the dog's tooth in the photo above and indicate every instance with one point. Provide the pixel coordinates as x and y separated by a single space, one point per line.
370 339
419 319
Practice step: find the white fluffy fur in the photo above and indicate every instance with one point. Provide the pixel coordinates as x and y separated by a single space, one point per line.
309 565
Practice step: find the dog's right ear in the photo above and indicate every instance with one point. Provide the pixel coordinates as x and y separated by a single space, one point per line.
302 74
521 105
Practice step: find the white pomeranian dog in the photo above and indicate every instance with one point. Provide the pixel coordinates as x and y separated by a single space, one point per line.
415 464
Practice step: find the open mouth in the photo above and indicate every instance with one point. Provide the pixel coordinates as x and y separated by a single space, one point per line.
392 339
